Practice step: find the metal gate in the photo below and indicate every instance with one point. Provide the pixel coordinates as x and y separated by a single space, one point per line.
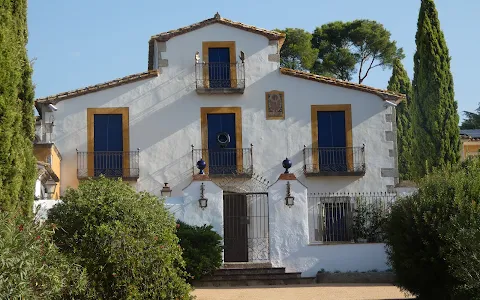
246 227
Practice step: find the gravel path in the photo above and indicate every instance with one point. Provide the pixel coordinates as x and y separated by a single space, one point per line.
311 292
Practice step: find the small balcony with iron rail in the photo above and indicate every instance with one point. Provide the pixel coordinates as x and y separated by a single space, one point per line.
334 161
220 78
225 161
111 164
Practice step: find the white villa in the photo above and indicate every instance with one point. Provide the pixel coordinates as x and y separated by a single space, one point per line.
214 95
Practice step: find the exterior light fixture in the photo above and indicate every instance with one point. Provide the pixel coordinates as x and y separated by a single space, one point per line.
287 164
166 191
289 200
202 202
201 165
50 186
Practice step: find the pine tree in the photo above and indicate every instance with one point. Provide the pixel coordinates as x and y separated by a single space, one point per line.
17 164
433 109
399 82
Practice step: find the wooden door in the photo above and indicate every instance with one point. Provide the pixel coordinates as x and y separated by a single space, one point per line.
235 227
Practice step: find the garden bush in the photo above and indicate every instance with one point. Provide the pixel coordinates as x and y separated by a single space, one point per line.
433 236
202 249
126 240
31 266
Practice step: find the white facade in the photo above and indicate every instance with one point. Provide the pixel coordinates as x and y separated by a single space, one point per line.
165 120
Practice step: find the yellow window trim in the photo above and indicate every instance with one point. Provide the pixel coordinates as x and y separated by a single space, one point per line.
233 60
91 112
347 108
204 111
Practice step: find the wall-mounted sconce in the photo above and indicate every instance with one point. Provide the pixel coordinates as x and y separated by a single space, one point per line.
289 200
201 165
50 186
202 202
166 191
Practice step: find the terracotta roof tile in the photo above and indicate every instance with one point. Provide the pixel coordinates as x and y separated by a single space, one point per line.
384 94
98 87
165 36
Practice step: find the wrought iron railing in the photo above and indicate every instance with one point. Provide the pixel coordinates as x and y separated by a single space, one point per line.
220 75
348 217
225 161
334 161
108 163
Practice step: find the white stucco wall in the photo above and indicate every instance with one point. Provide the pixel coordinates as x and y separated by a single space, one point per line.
165 118
187 208
289 239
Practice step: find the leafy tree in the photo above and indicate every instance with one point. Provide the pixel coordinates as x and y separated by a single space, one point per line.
472 120
434 109
399 82
344 46
18 172
433 236
126 241
297 52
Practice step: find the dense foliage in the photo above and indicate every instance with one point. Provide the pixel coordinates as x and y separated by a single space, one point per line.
202 249
343 46
472 119
126 241
433 237
297 52
31 266
17 171
399 82
433 109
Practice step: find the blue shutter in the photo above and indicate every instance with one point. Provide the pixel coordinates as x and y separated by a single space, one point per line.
108 145
219 67
332 141
221 160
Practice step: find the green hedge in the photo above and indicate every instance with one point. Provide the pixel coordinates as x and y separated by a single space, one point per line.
202 249
433 237
126 241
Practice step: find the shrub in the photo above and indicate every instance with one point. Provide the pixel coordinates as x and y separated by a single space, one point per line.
202 249
369 217
31 266
126 240
433 236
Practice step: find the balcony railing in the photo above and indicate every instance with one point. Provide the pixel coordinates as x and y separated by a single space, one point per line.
225 162
111 164
220 77
334 161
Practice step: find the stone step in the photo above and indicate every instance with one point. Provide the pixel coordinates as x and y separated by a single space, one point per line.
254 282
246 265
251 277
249 271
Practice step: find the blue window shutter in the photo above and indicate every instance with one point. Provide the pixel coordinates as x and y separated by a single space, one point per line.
219 67
221 160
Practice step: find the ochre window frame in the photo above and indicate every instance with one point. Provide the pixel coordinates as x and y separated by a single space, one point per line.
233 60
91 112
204 111
347 108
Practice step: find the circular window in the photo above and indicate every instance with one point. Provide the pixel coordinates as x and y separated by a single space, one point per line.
223 138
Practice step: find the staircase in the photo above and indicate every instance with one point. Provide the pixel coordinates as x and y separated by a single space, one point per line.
231 275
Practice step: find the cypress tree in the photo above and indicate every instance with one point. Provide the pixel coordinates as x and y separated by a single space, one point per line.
17 164
399 82
433 109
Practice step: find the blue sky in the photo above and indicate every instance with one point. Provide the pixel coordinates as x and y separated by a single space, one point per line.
79 43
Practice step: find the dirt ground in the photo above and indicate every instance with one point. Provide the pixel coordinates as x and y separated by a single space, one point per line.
311 292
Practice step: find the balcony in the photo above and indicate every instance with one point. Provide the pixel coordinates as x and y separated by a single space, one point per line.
220 78
334 161
225 162
111 164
